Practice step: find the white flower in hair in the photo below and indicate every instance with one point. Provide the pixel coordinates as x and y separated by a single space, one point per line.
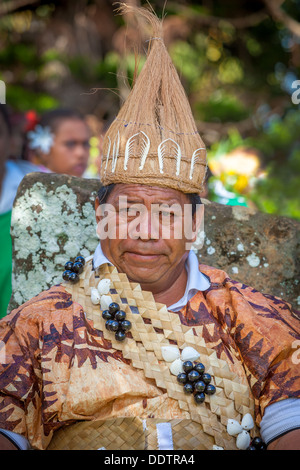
41 138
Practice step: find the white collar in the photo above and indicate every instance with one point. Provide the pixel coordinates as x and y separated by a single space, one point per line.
99 258
196 281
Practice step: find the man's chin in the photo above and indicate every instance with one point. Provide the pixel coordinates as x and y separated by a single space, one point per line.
146 276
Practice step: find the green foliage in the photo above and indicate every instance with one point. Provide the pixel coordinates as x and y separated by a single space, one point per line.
230 73
189 61
22 54
23 100
106 69
278 191
221 107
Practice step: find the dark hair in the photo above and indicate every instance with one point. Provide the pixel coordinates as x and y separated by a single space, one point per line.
53 118
194 200
5 115
104 192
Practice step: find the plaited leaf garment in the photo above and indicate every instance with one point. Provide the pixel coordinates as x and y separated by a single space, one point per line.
59 369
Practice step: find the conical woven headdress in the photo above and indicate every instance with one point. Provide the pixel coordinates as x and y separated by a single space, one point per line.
154 139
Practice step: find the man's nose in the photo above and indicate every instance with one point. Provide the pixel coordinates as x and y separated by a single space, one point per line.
148 228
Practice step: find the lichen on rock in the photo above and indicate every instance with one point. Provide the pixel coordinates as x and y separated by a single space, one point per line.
50 225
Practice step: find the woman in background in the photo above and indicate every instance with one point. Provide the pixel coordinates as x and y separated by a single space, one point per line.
12 171
60 143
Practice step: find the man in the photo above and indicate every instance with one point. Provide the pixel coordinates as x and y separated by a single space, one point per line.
60 142
62 365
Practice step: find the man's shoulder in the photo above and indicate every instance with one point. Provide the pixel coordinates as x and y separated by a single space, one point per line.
257 299
215 275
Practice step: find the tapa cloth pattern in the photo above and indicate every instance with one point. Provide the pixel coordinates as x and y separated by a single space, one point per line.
59 368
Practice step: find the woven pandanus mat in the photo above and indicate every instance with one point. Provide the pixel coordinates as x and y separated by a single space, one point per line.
154 326
113 434
186 435
132 434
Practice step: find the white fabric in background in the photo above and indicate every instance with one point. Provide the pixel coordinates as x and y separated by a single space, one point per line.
15 170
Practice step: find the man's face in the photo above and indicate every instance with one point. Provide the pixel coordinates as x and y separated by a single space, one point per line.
70 151
148 243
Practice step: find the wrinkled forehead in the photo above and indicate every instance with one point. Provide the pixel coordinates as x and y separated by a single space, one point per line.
147 194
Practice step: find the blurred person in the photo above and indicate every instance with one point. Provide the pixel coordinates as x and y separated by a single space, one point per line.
12 172
97 128
5 213
60 142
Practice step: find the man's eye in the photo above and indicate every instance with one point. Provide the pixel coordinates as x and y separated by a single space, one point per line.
127 211
132 213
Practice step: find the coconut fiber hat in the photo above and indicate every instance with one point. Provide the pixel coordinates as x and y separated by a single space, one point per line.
154 139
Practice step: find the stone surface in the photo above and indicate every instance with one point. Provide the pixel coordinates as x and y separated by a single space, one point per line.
53 221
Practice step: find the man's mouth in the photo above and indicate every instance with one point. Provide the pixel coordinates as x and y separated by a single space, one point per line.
142 256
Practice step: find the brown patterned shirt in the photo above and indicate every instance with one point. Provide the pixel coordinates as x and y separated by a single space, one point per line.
56 368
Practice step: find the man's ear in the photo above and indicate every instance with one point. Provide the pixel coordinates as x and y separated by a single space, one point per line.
198 221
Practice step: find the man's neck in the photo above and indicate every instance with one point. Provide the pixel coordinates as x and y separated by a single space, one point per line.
174 293
167 290
170 292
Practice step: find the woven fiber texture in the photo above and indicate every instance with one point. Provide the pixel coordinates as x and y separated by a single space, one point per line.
154 326
154 139
132 434
115 434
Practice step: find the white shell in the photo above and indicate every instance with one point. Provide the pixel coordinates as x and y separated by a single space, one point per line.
104 286
176 367
105 301
247 422
170 353
243 440
233 427
189 354
217 447
95 296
